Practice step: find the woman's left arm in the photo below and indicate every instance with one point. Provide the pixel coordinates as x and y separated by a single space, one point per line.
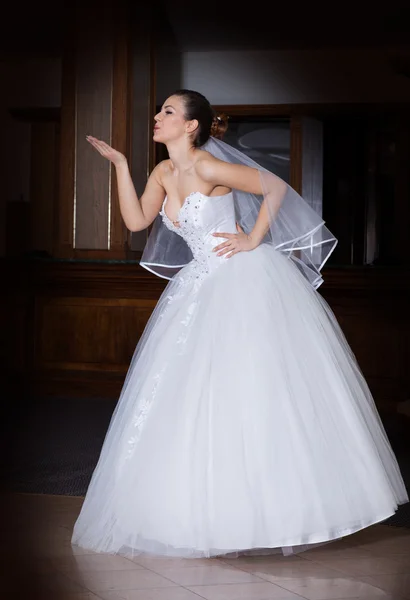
246 179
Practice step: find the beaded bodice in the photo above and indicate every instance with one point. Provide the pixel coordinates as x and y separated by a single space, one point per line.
198 218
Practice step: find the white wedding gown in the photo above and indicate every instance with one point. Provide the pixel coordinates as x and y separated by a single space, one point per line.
244 421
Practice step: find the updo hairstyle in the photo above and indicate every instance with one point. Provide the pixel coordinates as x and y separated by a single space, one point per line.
209 124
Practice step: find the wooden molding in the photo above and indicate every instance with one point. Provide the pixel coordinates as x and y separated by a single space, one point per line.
314 109
96 279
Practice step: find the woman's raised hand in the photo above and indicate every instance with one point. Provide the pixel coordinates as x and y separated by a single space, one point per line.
106 151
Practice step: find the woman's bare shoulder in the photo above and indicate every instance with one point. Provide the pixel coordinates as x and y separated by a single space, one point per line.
203 155
161 170
164 167
206 163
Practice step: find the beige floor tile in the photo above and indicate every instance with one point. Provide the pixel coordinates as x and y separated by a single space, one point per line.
277 559
82 596
53 595
395 544
371 564
175 593
48 535
121 580
94 562
374 565
381 531
317 588
39 566
402 559
387 597
159 564
330 553
396 585
336 544
244 591
364 540
276 572
61 550
59 582
77 551
208 575
375 532
44 545
248 564
388 552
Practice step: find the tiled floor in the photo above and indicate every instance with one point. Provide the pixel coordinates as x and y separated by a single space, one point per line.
39 563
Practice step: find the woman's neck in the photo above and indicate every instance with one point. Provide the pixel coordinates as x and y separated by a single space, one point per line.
181 156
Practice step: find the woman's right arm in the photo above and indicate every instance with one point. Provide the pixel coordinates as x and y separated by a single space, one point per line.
137 213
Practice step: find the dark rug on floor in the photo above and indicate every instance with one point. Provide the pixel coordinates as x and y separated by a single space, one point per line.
54 445
57 445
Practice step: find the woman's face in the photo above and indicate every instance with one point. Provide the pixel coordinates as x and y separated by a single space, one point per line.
170 123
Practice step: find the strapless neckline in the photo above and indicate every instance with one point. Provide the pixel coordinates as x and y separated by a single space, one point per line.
191 195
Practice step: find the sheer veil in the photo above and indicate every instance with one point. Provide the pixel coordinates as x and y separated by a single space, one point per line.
295 229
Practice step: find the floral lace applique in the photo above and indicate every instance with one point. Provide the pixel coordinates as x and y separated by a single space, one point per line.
194 235
141 414
186 321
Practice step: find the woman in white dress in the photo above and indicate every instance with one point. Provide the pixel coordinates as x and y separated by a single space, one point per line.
244 422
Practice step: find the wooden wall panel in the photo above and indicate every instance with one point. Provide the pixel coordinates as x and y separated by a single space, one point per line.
142 108
88 319
15 342
89 334
120 138
95 100
64 241
374 336
72 328
371 307
402 208
92 185
18 228
43 185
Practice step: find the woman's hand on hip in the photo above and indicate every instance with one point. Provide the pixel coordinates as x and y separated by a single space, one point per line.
236 242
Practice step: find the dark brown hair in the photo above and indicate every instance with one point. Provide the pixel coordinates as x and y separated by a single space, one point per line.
209 124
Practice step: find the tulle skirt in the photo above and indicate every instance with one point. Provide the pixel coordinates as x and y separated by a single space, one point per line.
244 423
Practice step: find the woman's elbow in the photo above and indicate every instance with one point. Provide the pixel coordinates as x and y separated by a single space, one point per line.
138 225
134 228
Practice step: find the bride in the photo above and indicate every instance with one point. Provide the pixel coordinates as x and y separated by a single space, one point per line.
244 423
